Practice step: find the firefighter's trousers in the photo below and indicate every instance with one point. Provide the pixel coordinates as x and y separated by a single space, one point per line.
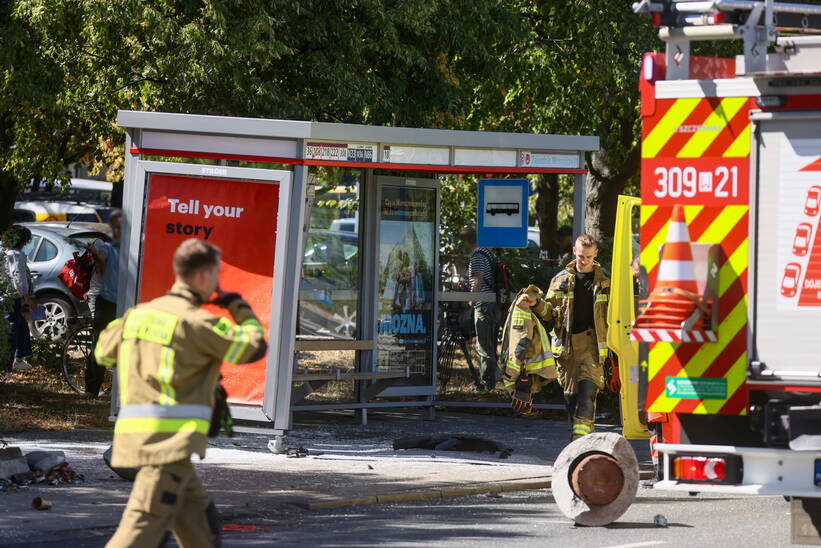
581 377
164 499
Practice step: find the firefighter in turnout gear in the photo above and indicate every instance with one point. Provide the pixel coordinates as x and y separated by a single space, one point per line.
526 360
580 294
168 353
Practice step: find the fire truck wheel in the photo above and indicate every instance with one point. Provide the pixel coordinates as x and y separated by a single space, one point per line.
595 479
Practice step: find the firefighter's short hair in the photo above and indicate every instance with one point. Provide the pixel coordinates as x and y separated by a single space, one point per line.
194 254
586 240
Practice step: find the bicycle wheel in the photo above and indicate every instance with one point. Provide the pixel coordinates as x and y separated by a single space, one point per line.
76 356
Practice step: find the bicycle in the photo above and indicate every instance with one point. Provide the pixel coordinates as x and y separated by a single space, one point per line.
454 336
76 355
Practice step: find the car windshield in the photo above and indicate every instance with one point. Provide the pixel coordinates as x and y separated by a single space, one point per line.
789 280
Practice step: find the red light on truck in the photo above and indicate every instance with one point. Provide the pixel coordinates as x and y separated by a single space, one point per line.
725 469
700 468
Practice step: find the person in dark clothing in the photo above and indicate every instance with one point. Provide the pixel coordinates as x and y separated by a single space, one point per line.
107 258
483 279
19 293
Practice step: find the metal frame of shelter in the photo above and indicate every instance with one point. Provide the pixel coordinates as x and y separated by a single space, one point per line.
301 144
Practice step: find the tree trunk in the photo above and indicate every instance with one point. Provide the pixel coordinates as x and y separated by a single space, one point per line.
547 211
8 194
604 184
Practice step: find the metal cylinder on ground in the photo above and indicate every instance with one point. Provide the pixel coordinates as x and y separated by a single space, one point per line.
595 479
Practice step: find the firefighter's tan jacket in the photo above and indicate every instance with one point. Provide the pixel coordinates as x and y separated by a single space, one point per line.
527 344
560 295
168 354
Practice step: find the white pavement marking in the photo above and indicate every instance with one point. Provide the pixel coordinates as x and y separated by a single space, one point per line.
637 544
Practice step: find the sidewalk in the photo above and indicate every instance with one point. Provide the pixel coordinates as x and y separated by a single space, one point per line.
347 464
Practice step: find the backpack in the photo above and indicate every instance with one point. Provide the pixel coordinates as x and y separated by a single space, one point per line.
76 274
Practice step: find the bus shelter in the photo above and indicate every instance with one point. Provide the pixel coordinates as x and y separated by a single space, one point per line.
330 231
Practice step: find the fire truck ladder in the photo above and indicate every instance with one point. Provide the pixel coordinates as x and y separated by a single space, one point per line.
758 24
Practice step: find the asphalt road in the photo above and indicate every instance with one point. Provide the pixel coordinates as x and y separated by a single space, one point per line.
528 518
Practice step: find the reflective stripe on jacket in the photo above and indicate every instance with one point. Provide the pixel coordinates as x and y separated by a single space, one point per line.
560 295
168 354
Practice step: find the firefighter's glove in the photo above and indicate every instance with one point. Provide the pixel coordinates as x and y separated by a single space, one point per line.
522 400
221 415
224 299
614 383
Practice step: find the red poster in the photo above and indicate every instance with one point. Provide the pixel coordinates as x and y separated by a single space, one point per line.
238 216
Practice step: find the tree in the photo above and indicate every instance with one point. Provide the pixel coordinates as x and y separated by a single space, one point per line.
576 73
71 65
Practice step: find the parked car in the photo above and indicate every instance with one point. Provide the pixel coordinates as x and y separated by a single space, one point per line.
45 210
51 245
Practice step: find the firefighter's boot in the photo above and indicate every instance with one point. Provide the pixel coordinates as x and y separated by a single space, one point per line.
585 411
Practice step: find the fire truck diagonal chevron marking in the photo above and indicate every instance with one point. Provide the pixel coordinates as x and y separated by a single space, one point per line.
734 267
737 403
723 223
688 127
667 126
736 127
741 146
663 354
735 380
703 357
736 375
719 119
722 367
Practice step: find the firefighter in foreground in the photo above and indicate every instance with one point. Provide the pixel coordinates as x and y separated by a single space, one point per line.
168 354
580 293
526 362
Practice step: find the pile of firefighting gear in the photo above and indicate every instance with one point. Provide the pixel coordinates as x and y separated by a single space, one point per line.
35 467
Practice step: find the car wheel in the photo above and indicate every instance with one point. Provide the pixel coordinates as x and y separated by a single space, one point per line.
58 312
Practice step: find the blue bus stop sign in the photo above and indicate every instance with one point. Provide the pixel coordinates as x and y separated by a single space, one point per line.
502 216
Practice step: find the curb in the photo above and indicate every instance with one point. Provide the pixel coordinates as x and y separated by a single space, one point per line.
542 482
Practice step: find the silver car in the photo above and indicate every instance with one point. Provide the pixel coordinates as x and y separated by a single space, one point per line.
51 245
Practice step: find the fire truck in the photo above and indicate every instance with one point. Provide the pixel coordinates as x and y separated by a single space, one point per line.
723 357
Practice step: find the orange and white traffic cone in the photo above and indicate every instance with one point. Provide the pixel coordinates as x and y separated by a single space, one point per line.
675 297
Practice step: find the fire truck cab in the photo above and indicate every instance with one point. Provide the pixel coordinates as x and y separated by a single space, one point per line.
737 142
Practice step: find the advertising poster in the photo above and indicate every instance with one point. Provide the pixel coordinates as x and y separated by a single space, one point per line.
406 275
799 211
240 217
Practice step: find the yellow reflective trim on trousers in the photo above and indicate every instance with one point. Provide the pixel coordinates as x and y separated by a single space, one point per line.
602 352
168 396
122 370
582 429
601 298
153 425
150 325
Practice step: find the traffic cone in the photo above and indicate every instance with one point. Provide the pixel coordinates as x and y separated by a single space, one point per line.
675 295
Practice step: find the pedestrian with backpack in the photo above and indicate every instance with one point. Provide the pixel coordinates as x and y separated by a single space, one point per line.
482 274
